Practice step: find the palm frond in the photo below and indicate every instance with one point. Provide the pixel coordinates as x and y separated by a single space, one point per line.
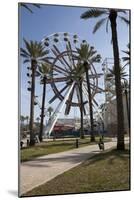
36 5
44 68
107 25
120 11
23 55
124 19
127 57
28 46
26 61
93 12
25 6
126 52
123 73
23 51
99 24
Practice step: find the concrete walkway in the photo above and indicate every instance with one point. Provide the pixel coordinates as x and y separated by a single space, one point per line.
42 169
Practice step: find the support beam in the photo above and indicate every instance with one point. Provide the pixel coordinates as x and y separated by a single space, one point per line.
59 109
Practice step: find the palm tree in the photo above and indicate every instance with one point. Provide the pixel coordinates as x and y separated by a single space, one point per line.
88 56
123 73
50 110
127 57
111 15
44 70
81 109
34 54
126 84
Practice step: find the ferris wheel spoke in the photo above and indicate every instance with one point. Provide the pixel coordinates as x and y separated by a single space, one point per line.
71 57
56 96
60 68
78 94
68 103
57 68
95 102
59 79
56 91
93 86
59 71
62 59
69 45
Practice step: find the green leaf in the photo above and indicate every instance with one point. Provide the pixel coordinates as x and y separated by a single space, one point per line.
93 13
99 24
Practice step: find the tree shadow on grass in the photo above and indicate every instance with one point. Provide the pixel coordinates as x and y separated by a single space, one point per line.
87 158
109 154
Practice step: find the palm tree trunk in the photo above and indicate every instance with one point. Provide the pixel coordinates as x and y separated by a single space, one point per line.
81 111
127 106
42 109
120 113
90 103
32 136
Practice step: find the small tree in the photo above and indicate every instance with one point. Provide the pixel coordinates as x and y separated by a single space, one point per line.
44 69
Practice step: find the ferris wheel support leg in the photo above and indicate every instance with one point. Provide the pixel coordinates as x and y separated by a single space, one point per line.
60 108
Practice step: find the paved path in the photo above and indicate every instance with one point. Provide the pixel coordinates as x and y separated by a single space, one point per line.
42 169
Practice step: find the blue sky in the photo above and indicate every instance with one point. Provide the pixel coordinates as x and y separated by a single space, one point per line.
52 19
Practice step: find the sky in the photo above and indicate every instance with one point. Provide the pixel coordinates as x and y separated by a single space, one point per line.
53 19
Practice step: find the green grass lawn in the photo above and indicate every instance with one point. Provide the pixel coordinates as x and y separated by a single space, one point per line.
107 171
45 148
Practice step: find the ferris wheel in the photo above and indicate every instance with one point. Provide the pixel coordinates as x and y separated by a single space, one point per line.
66 73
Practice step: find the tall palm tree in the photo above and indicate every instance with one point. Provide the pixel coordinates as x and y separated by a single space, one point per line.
88 55
34 54
81 109
111 15
44 70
